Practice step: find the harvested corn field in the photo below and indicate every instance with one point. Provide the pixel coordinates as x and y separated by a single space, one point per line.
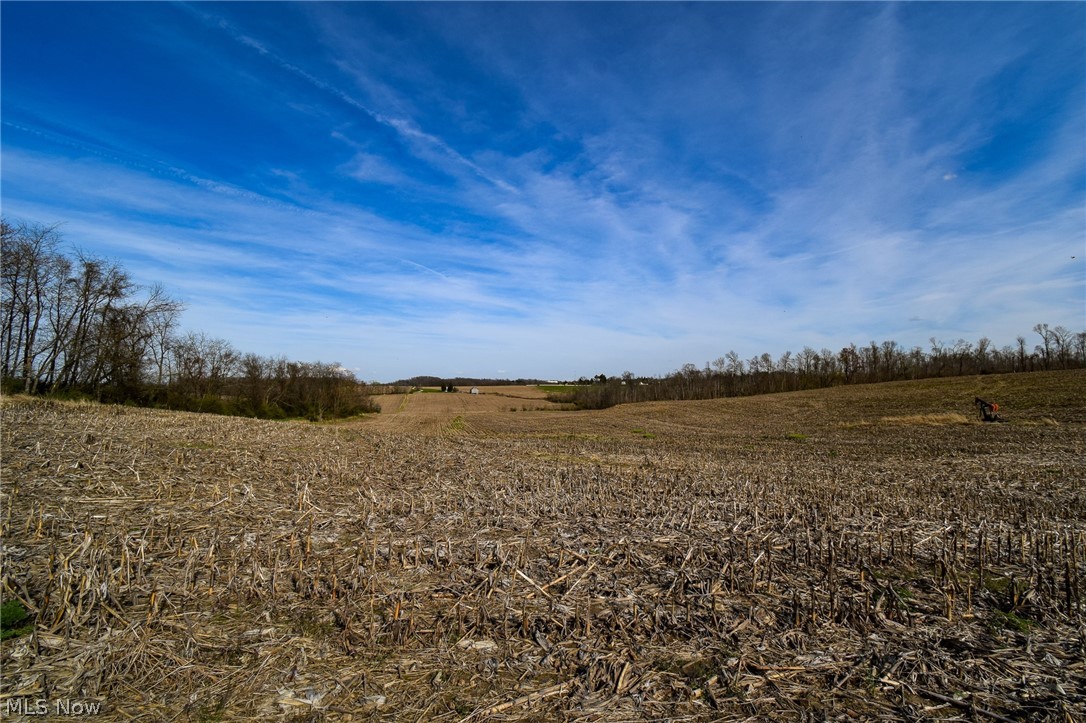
433 412
853 553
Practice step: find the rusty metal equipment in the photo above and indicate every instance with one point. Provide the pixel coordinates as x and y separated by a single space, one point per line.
989 412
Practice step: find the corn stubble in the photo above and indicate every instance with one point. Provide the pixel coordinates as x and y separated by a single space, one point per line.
200 568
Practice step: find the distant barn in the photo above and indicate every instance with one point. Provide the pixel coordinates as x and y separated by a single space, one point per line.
475 390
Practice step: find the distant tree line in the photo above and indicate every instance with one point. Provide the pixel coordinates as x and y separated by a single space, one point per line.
431 381
731 375
78 325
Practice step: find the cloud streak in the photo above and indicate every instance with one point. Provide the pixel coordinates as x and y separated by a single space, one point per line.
405 127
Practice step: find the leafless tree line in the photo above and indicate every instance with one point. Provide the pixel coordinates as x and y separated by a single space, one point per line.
76 323
79 321
210 375
732 375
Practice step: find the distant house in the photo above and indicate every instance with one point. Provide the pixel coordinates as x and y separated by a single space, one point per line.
475 390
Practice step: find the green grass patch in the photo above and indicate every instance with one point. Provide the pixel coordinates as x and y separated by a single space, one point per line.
998 585
13 617
796 437
643 433
1011 621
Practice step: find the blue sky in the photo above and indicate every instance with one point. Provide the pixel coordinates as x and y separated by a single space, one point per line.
554 190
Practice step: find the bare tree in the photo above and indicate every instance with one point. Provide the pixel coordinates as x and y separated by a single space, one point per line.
961 351
162 317
805 365
1045 348
1063 340
202 364
97 294
1022 356
850 361
890 359
827 370
131 341
981 353
31 272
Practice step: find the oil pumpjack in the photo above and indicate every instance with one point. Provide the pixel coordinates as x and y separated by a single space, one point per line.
989 412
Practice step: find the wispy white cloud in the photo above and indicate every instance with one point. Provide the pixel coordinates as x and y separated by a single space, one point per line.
629 208
371 168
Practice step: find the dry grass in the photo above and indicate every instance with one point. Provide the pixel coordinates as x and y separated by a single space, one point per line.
932 420
752 558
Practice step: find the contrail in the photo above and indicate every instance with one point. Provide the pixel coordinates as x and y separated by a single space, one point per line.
425 268
406 128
